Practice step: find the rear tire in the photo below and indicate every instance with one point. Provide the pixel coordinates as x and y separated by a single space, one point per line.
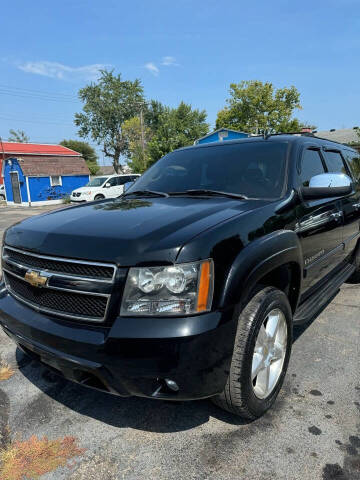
243 394
99 197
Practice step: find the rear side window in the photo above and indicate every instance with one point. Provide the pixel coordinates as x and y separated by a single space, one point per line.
353 161
311 165
122 180
334 162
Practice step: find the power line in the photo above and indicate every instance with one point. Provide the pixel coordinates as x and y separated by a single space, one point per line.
36 97
38 92
35 121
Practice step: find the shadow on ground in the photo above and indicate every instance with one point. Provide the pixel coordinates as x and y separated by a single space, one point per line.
134 412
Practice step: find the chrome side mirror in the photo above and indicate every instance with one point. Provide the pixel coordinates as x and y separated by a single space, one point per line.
327 185
330 180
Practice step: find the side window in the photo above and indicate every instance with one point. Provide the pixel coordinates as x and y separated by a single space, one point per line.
311 165
334 162
353 161
122 180
112 181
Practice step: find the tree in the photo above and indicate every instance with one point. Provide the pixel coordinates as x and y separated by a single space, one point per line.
255 107
174 128
138 155
18 136
87 152
107 105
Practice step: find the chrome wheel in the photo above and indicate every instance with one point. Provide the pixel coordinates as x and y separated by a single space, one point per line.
269 353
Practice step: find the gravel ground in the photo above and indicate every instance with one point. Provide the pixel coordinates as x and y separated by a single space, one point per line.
313 432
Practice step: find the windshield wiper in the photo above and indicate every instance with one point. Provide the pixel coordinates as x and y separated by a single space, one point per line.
216 193
145 193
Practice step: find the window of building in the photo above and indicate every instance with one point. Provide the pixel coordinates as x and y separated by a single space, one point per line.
311 165
55 181
334 162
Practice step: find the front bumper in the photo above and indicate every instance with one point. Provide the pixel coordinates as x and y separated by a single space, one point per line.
132 357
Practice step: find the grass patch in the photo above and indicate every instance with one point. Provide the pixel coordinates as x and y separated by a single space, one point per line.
34 457
6 372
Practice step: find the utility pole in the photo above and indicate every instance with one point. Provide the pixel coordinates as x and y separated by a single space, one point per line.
142 133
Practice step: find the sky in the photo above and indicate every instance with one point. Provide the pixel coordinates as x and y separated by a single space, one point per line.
183 50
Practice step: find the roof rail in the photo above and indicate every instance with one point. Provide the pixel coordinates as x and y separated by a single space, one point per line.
266 135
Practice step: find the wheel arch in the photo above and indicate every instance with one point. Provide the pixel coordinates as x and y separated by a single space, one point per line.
273 260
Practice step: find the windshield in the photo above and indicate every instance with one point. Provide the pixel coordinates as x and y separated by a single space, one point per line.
254 169
96 182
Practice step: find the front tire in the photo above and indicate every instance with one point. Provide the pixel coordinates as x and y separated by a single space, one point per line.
99 197
261 355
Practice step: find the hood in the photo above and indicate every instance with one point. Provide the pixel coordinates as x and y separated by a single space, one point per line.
85 189
128 231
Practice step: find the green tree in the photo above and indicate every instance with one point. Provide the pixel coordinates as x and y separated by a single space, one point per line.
255 107
137 139
87 152
173 128
18 136
108 103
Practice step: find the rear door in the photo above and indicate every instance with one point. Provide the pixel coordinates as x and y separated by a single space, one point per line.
319 225
351 204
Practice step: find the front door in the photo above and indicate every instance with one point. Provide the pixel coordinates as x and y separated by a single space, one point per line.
319 226
15 185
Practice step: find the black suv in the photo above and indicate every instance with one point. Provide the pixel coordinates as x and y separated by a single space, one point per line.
188 286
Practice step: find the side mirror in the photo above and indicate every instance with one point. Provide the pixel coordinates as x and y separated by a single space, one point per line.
107 185
327 185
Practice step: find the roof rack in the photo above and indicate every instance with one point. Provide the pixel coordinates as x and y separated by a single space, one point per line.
266 135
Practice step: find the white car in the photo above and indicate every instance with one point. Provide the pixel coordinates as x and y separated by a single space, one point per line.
106 186
2 193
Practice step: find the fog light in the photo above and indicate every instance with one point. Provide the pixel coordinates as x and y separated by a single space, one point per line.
172 385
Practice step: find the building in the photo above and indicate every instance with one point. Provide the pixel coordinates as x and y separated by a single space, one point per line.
110 170
220 135
36 174
349 136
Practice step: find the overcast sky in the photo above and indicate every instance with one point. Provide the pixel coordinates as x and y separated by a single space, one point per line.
183 50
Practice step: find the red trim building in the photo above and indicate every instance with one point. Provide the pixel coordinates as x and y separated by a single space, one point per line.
34 153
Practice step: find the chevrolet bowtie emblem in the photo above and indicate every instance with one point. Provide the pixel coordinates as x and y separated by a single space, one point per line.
35 279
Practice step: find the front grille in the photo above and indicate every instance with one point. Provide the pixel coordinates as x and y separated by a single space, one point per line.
63 302
58 266
79 290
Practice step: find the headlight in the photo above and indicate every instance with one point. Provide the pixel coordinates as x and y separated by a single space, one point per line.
183 289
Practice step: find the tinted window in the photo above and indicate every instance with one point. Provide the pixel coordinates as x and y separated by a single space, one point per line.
334 162
255 169
112 181
122 180
353 160
311 165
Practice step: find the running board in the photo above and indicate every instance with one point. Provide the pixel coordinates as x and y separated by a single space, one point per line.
307 310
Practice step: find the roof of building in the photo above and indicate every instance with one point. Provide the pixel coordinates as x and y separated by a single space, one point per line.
344 135
36 149
38 166
106 170
220 130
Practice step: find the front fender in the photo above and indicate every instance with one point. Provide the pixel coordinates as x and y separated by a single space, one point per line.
258 259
